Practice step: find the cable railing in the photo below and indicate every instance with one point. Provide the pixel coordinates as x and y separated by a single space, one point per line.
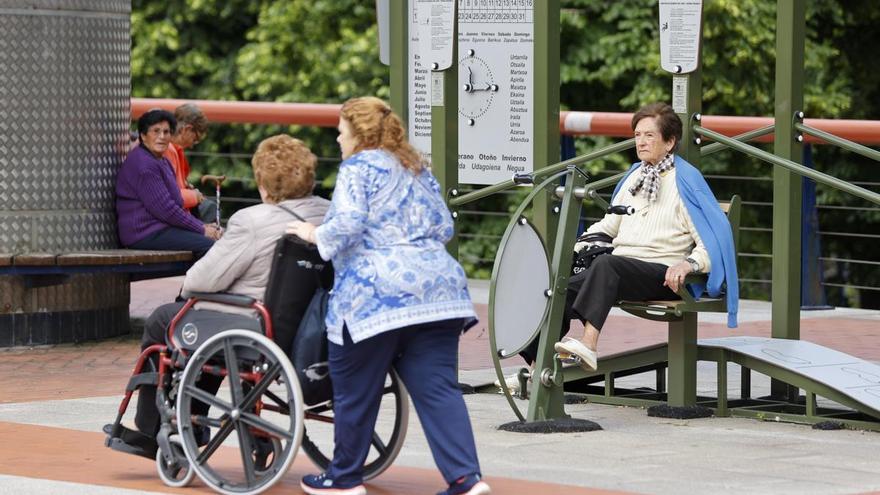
482 263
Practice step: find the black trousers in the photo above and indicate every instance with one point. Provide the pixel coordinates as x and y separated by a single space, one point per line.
592 293
155 332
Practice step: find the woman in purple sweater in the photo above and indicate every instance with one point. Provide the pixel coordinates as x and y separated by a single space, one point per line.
149 207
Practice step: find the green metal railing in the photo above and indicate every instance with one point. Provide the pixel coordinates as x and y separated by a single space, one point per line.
797 168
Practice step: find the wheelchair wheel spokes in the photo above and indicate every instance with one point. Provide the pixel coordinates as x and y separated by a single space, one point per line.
277 403
232 371
254 445
267 429
388 436
246 449
207 398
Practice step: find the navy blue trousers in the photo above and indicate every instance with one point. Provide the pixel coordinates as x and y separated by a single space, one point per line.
425 357
176 239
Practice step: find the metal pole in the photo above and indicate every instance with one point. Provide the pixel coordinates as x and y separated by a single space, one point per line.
444 131
547 400
682 345
546 106
399 73
787 187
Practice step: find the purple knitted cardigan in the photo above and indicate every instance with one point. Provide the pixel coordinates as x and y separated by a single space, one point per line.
147 198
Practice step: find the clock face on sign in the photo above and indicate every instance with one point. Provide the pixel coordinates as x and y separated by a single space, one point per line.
479 86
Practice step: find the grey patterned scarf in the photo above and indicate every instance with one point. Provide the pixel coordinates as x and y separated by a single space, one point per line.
649 180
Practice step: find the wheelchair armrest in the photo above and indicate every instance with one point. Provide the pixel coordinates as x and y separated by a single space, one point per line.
224 298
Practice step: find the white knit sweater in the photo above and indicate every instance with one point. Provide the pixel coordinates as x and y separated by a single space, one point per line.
659 232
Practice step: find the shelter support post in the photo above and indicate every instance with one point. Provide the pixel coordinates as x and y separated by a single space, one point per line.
787 188
546 105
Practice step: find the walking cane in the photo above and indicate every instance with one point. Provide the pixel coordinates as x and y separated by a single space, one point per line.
217 179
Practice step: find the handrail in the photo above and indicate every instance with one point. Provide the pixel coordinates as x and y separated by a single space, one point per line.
843 143
540 173
571 123
790 165
249 112
577 123
746 136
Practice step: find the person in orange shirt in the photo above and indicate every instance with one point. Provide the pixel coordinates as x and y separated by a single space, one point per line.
192 126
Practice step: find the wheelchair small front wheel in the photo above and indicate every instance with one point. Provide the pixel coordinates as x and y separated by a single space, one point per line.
176 473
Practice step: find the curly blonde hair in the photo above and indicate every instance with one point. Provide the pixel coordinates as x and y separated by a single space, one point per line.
375 126
284 167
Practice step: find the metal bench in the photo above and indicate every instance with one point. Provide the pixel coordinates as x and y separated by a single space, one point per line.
680 357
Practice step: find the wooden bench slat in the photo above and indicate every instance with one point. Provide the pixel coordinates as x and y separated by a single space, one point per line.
122 257
34 259
6 259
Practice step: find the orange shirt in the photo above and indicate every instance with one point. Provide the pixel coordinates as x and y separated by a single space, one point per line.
175 155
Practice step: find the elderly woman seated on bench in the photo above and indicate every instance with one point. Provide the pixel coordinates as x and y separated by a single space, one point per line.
678 228
149 207
240 262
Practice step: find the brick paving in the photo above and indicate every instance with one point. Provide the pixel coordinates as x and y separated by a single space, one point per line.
100 369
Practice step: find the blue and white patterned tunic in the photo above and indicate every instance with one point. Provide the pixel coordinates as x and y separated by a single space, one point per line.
385 233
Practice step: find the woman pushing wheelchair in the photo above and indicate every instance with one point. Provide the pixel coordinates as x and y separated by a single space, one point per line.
399 300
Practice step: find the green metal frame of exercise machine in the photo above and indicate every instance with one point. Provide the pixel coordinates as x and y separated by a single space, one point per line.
558 224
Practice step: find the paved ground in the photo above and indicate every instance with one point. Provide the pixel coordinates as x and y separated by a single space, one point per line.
53 401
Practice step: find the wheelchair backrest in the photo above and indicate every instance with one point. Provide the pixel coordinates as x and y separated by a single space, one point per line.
297 271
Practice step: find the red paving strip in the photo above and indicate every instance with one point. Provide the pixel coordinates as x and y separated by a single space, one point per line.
80 457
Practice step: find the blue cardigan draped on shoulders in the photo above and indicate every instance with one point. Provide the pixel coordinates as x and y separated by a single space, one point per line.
714 229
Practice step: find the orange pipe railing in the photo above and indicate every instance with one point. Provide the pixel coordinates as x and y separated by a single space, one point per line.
618 125
570 123
249 112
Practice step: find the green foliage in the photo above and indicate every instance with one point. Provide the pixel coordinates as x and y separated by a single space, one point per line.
301 51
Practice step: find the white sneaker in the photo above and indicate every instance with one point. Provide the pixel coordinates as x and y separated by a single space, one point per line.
512 383
575 348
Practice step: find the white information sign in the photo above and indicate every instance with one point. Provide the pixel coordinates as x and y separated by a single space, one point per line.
419 75
436 90
680 24
436 23
496 86
679 94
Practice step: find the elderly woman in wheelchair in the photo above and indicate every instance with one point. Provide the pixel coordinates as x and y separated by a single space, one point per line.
239 325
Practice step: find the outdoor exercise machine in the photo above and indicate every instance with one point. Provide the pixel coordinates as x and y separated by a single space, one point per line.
439 77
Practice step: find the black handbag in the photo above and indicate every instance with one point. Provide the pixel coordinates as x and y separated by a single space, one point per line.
296 296
309 351
598 244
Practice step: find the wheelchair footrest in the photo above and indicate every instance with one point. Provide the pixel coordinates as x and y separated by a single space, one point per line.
132 442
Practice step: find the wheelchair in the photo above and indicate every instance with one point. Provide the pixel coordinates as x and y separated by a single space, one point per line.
260 417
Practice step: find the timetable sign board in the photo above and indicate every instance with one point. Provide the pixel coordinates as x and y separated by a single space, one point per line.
495 90
435 23
680 25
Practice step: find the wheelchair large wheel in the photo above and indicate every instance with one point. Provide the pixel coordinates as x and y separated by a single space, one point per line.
388 437
255 420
